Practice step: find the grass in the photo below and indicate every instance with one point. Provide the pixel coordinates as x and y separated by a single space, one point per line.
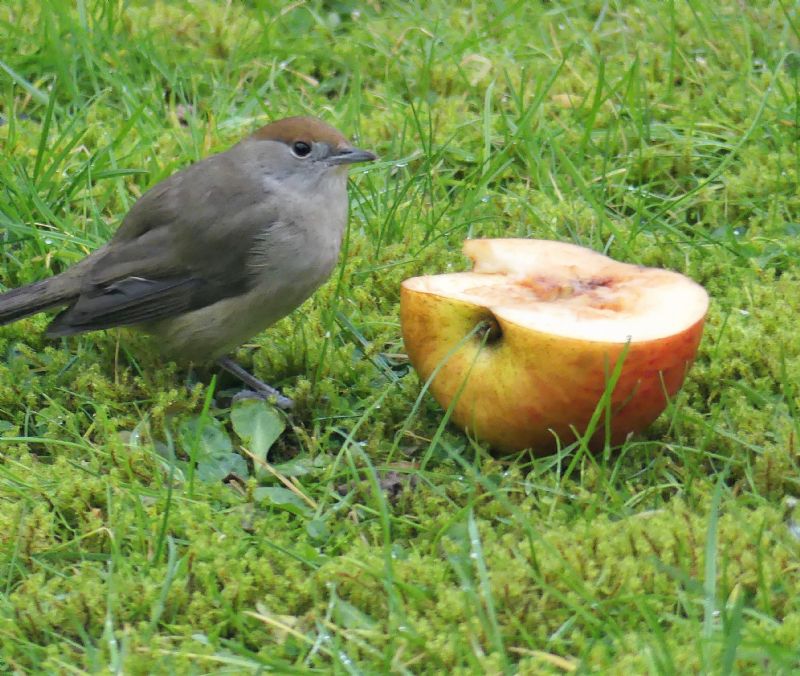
662 133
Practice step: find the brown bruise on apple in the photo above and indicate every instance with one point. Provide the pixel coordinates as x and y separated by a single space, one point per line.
541 377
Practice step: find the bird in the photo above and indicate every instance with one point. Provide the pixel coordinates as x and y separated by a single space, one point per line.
215 253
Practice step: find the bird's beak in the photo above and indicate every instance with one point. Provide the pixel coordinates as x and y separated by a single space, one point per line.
351 156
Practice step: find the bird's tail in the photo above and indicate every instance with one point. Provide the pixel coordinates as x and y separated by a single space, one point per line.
33 298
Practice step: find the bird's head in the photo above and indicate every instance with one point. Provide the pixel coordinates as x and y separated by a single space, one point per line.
307 148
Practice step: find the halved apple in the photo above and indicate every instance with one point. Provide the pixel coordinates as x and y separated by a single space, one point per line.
559 317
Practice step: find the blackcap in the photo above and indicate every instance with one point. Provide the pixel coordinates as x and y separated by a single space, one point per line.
217 252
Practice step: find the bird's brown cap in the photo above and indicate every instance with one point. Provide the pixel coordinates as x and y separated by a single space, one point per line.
301 128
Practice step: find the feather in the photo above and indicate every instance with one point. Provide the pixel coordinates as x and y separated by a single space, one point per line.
133 300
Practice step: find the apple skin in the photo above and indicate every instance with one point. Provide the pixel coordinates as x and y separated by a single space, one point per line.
527 387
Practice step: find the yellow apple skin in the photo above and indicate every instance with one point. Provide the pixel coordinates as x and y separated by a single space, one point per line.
526 388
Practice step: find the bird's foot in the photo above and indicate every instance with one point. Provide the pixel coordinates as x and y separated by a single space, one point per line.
256 388
273 397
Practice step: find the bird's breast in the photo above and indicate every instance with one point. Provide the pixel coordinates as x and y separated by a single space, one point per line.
290 258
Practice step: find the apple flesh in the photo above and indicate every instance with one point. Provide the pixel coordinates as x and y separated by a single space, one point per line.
554 320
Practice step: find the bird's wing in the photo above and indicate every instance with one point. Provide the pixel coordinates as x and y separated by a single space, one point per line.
183 246
132 300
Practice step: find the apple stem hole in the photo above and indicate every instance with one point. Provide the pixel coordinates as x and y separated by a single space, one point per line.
490 331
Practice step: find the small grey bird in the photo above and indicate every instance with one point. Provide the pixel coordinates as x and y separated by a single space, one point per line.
215 253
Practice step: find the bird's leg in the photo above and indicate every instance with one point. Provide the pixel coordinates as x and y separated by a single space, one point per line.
260 388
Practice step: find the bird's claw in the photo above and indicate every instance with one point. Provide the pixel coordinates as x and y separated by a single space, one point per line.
268 394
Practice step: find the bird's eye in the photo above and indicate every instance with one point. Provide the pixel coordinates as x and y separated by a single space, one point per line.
301 149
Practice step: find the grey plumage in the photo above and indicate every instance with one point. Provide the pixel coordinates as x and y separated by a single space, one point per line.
216 252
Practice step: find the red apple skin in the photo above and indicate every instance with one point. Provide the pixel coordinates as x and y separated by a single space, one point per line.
527 387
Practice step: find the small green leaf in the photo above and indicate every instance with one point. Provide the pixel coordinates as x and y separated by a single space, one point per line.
257 424
301 465
318 530
218 467
282 498
204 439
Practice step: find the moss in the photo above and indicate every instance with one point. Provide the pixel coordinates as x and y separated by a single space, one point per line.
665 134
